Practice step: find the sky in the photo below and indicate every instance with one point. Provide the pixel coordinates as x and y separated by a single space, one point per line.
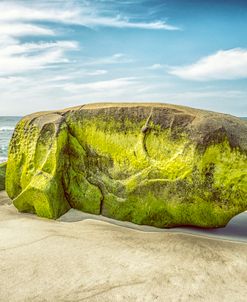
56 54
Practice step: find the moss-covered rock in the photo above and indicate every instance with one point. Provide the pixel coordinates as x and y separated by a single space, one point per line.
155 164
2 175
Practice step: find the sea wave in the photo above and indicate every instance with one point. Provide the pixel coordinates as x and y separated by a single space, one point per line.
7 128
3 159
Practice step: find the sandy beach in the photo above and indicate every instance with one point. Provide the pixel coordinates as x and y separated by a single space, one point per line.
93 260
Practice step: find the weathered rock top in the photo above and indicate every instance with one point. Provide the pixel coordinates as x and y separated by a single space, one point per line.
203 126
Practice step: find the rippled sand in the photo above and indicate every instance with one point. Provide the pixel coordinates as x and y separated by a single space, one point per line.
92 260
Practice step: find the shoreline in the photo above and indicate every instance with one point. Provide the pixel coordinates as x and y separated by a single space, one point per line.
183 230
229 233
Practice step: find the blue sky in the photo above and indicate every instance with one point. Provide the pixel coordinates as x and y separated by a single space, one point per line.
55 54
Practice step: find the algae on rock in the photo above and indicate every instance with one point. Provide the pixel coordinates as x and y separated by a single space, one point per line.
36 161
155 164
2 175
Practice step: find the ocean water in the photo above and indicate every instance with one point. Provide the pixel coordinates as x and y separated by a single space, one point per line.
7 126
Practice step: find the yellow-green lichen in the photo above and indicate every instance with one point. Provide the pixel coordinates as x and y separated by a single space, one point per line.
2 175
142 169
80 193
163 183
35 168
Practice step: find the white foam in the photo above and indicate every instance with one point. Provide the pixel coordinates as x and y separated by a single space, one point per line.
3 159
7 128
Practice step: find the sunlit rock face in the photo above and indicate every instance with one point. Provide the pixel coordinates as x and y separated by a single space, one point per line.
154 164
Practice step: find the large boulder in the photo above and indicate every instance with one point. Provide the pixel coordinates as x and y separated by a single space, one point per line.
2 175
154 164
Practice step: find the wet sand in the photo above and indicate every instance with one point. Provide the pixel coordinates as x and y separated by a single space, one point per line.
79 258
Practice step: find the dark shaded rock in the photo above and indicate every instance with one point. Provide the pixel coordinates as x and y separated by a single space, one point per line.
2 175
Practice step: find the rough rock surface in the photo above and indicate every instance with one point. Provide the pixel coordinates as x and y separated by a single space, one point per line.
155 164
2 175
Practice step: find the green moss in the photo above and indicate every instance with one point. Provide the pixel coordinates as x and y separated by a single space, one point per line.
161 180
127 169
82 194
35 170
163 205
3 167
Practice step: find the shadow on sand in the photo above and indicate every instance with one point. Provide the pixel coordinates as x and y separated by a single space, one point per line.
235 230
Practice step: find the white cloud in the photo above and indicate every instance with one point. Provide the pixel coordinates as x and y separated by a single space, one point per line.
27 48
61 90
75 75
30 69
118 83
120 22
11 80
96 72
155 66
22 18
20 11
81 14
18 58
20 29
223 65
117 58
12 65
